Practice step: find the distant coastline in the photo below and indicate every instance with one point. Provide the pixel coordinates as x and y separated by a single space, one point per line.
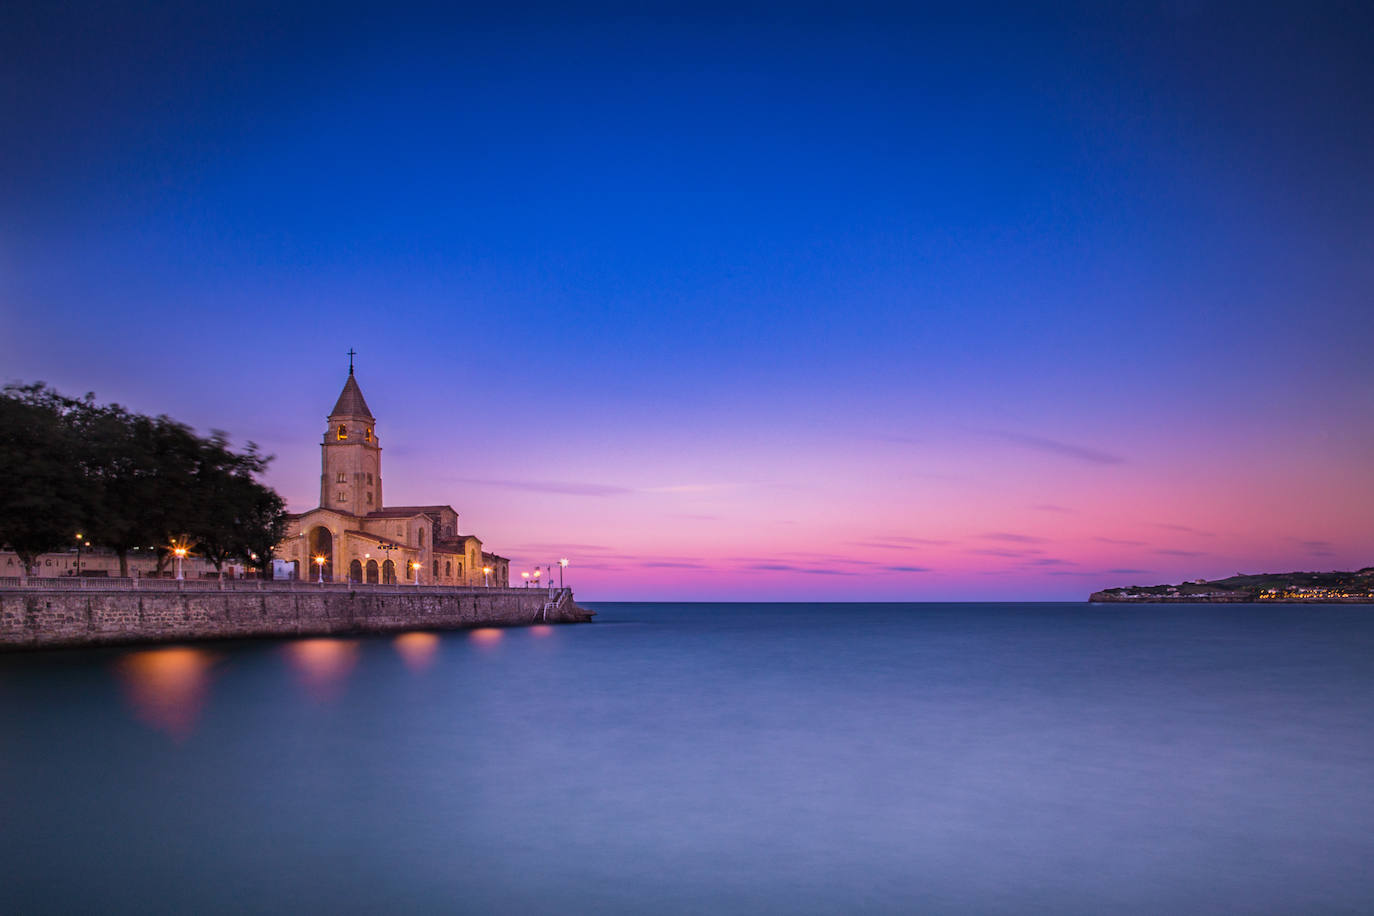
1287 588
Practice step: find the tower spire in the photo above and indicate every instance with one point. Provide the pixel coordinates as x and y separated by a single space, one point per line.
351 353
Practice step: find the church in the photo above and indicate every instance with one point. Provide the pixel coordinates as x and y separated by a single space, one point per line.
353 536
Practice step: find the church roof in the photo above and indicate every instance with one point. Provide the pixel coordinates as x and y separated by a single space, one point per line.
409 511
351 403
372 537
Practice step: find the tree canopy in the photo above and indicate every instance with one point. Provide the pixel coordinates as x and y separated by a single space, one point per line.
127 480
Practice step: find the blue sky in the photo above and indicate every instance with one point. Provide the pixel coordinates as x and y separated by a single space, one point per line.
756 249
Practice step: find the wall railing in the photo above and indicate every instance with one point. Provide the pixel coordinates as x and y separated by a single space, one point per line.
116 584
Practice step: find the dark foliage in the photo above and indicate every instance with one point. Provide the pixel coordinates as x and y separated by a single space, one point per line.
126 480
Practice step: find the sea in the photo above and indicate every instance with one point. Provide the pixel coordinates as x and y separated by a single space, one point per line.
709 759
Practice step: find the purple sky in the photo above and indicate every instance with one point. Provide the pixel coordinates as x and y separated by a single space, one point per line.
855 302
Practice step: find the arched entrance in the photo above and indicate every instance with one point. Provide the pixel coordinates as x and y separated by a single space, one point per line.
371 572
321 545
388 573
355 571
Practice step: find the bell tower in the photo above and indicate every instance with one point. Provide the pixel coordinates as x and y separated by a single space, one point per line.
351 479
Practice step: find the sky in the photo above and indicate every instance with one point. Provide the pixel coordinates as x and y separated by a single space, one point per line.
793 302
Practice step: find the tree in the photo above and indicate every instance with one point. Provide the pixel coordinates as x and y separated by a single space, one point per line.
42 500
234 516
128 480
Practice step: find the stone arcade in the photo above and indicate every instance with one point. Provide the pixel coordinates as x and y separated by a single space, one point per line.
353 536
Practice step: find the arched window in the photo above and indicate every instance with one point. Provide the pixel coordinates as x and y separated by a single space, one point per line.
422 537
448 568
388 573
355 571
372 572
343 432
367 434
436 569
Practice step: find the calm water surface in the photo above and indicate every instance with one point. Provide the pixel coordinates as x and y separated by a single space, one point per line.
709 759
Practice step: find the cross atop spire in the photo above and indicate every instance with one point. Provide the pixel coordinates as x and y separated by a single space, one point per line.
351 353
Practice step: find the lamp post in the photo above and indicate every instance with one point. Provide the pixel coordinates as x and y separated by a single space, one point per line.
388 548
486 577
536 577
526 577
79 539
562 565
180 553
319 564
415 569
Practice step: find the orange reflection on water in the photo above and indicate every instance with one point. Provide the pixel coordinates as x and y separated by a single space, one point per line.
167 687
542 629
323 664
486 636
417 649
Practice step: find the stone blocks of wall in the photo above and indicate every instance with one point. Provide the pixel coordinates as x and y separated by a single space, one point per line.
41 619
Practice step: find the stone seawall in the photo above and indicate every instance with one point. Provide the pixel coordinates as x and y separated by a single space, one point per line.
38 618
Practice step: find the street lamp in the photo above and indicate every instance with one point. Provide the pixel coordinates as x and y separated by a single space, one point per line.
486 576
180 553
79 539
319 563
388 548
415 569
562 565
526 577
536 577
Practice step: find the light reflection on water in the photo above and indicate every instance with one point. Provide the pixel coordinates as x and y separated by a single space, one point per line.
322 665
486 636
418 650
709 759
166 688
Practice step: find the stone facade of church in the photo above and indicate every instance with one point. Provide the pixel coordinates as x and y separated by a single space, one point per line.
353 536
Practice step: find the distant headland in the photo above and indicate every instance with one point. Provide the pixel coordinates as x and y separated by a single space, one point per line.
1291 587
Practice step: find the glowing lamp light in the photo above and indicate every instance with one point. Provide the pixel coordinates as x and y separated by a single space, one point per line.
180 552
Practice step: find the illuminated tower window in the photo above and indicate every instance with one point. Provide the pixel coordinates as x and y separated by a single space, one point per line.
367 434
343 432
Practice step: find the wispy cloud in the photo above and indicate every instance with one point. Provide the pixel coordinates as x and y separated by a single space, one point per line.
896 543
579 488
565 488
1012 537
1055 447
1317 548
1128 572
1051 561
1006 552
1178 553
907 569
685 488
560 548
1120 542
672 564
807 570
1185 529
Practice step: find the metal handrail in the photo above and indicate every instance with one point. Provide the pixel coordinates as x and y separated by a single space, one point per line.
120 584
